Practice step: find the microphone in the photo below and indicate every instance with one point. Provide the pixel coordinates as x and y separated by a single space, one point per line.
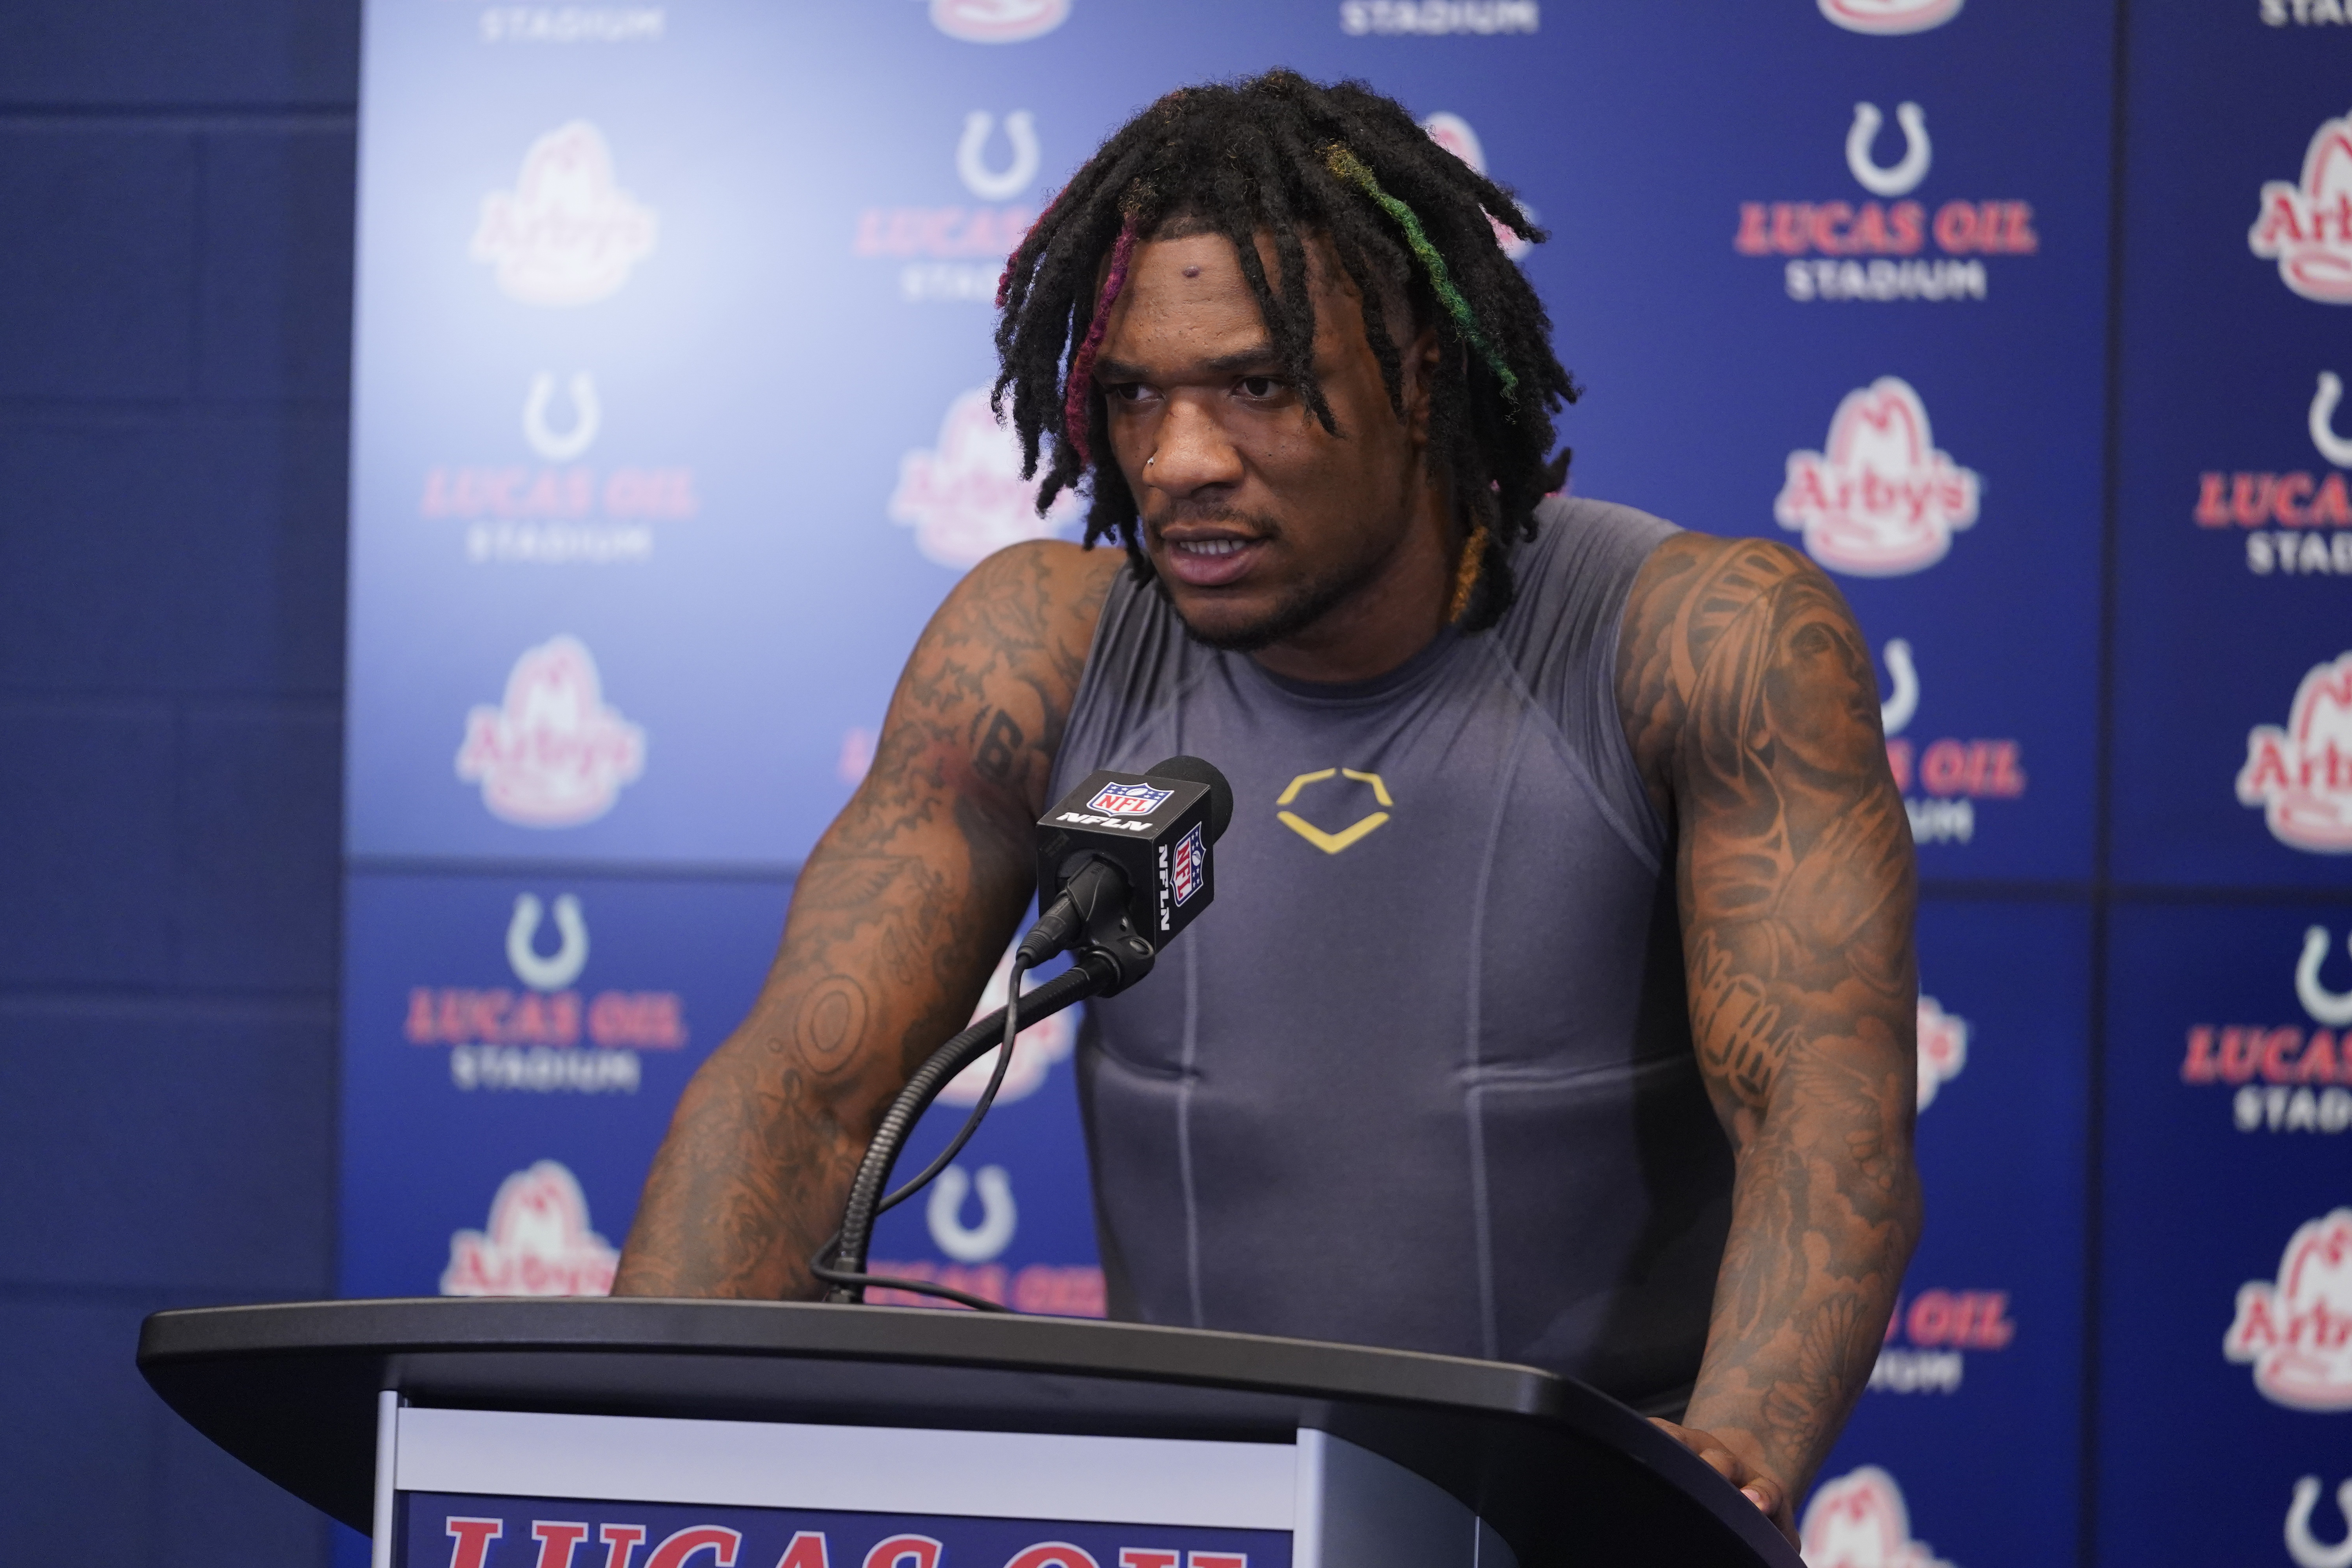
1122 866
1123 863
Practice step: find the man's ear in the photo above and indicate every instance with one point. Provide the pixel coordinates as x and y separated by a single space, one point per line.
1420 366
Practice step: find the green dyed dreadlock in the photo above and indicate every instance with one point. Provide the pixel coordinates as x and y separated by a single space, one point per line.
1279 156
1351 168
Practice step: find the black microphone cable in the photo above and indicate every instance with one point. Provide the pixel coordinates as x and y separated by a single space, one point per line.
821 1264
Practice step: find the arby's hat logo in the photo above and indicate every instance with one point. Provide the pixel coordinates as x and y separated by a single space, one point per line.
1879 499
998 21
965 498
1860 1520
2297 1332
2306 228
554 753
2301 775
1453 133
567 234
538 1243
1890 16
1943 1048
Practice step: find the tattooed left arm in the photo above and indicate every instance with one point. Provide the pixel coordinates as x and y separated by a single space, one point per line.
1752 703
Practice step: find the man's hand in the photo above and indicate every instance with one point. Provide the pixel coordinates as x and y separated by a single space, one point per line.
1752 702
897 918
1770 1498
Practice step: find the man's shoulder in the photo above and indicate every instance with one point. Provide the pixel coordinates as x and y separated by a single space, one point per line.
1047 574
1041 596
1699 597
1693 581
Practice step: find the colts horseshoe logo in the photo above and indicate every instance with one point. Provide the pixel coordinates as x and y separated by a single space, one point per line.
2304 1546
998 1215
1904 176
562 967
2337 449
1017 175
586 417
2325 1006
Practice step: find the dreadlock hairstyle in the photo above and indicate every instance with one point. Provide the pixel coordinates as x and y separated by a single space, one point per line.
1280 156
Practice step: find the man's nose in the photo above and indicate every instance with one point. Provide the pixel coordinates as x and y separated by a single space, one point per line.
1191 452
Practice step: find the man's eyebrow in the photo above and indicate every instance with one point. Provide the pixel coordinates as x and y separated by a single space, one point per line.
1257 356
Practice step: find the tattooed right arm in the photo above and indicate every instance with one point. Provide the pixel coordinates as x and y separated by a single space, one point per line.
899 916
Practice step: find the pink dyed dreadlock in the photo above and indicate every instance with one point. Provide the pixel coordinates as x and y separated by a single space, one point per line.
1082 367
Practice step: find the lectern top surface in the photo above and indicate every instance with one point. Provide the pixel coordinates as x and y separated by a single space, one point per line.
1560 1469
1067 1345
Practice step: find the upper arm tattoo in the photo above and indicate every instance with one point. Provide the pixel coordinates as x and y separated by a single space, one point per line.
1752 705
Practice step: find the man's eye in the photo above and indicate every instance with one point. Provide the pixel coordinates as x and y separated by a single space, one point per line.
1259 385
1125 391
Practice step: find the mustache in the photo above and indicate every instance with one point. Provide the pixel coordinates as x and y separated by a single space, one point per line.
1194 512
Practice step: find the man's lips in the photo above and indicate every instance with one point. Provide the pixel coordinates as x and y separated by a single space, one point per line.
1209 561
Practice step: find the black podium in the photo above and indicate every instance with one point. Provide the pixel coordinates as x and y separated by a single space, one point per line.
655 1434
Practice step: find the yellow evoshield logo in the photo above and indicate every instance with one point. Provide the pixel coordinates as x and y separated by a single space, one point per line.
1332 843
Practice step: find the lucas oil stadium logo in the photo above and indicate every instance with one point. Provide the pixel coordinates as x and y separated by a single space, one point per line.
2297 523
1879 499
2301 775
1137 799
2306 228
2285 1079
2297 1332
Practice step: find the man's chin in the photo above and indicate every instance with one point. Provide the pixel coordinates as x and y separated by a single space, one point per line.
1232 628
1231 621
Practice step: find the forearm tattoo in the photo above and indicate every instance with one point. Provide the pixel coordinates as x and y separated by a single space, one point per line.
897 920
1751 701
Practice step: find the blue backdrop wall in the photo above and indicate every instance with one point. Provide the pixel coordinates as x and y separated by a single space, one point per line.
175 199
2025 319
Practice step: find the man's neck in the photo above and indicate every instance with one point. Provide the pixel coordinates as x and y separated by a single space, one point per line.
1398 612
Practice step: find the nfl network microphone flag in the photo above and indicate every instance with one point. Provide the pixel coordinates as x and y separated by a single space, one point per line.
1155 829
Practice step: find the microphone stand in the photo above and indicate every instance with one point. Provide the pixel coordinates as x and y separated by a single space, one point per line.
1099 969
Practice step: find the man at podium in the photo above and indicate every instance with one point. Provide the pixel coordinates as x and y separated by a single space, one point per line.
1559 1003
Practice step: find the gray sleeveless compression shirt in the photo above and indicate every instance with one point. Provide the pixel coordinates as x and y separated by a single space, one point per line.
1424 1076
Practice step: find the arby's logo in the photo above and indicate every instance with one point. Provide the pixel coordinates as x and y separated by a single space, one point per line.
1943 1048
538 1243
554 753
1879 499
2301 775
1860 1520
2297 1332
1454 134
998 21
2306 228
1890 16
965 498
567 234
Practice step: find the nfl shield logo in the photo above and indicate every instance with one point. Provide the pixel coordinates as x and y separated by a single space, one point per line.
1136 799
1190 867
